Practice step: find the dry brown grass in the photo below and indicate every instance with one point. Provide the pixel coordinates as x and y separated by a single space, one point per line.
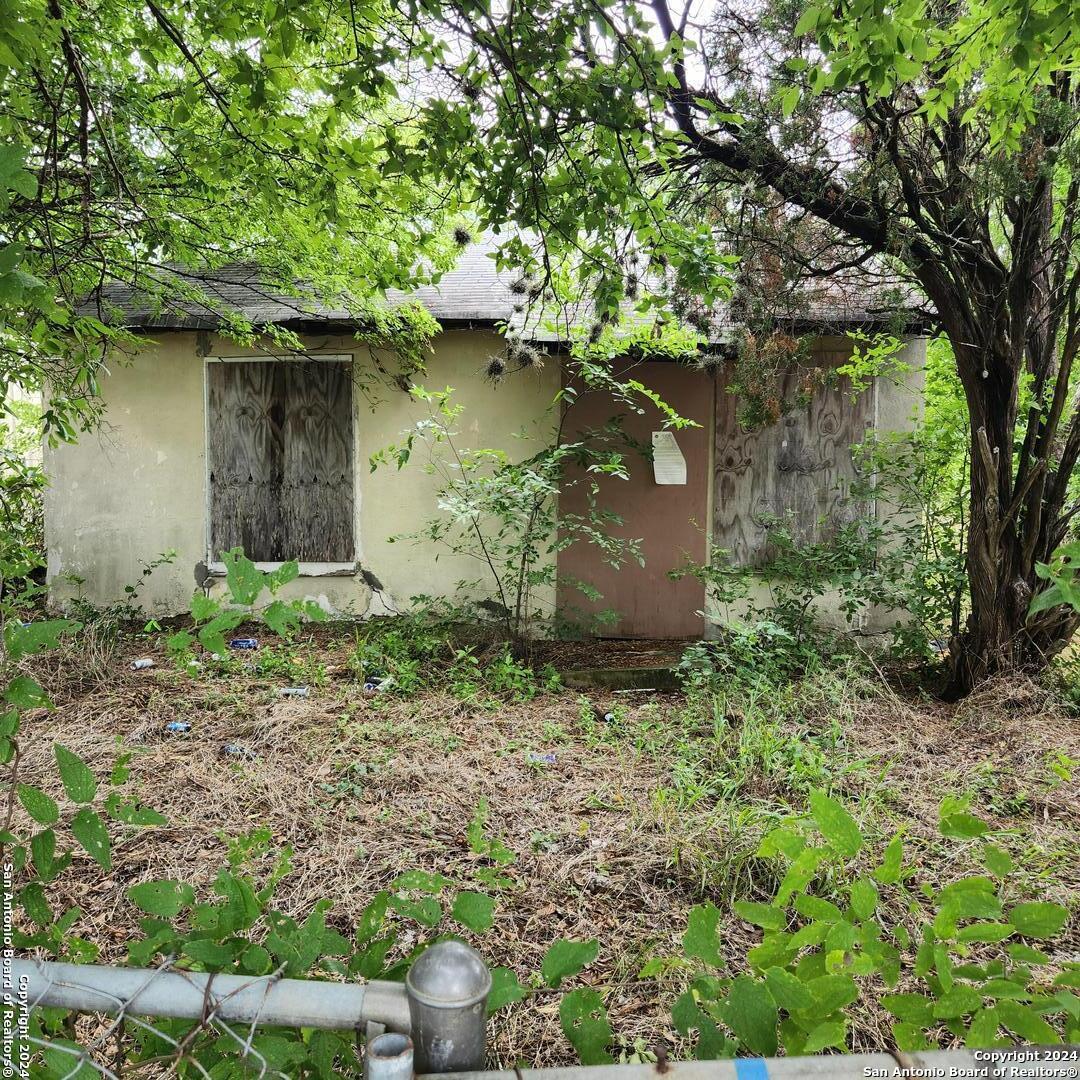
599 853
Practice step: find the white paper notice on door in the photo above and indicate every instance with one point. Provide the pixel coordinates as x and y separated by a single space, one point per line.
669 465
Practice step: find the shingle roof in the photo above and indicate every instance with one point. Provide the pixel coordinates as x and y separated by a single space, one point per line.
473 293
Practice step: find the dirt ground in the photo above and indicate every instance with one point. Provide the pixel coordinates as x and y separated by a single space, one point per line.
609 844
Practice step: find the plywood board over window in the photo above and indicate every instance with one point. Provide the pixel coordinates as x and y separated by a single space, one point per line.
800 470
280 458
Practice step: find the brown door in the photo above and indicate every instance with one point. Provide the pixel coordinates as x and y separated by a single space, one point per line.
669 520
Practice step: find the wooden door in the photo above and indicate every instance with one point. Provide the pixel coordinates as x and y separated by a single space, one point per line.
668 520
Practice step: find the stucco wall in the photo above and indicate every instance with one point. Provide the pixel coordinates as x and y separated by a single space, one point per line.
138 487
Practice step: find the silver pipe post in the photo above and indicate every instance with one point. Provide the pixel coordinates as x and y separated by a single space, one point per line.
389 1057
447 989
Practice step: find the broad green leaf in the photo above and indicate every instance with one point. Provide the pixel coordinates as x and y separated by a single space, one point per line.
37 636
566 958
700 939
131 813
835 824
1038 920
998 860
38 805
427 911
78 780
421 881
787 990
864 899
910 1037
986 932
829 1033
957 1002
243 577
91 833
505 989
831 992
983 1029
24 693
33 902
474 910
911 1008
763 915
163 899
1026 1023
813 907
800 873
210 954
750 1013
585 1023
888 873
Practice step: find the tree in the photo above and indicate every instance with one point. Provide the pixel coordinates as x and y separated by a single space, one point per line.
135 138
937 142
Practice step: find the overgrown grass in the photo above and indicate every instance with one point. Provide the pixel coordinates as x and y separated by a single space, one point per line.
624 811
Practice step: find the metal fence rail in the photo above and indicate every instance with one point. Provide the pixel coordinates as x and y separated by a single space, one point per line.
434 1023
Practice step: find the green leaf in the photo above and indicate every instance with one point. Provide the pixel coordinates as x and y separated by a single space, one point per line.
210 954
78 780
963 827
38 805
763 915
566 958
164 899
33 901
421 881
36 637
813 907
909 1037
505 989
835 824
585 1023
1025 1022
998 860
131 813
800 873
788 100
244 579
911 1008
751 1014
204 607
864 899
888 873
91 833
24 693
1038 920
985 932
427 911
474 910
831 992
700 939
829 1033
957 1002
787 990
808 21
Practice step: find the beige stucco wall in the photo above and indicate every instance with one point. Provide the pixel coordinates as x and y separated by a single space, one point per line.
897 403
138 486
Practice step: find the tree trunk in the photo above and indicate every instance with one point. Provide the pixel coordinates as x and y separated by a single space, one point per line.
1003 542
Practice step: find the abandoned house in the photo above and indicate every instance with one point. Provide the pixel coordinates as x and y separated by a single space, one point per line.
207 445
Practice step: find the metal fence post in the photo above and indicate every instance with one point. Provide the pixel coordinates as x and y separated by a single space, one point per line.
389 1057
447 988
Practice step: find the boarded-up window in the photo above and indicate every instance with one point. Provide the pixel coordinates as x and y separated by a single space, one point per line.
280 459
799 469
